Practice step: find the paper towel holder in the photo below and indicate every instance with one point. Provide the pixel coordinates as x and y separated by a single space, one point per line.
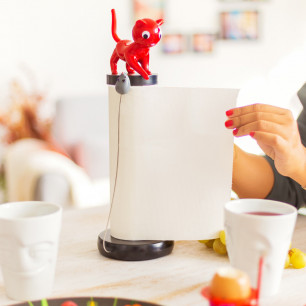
132 250
146 34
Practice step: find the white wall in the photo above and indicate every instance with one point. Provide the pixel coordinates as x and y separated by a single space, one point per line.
68 43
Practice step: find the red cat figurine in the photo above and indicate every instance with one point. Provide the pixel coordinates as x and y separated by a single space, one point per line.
146 34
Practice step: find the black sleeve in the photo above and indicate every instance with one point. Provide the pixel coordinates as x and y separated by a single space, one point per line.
286 189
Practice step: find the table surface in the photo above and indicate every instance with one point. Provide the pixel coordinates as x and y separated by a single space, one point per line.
176 279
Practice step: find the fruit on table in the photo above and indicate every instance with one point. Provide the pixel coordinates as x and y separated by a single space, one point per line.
209 243
219 247
297 258
218 244
230 284
222 237
294 251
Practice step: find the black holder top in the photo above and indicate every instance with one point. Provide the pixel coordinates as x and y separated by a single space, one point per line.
135 79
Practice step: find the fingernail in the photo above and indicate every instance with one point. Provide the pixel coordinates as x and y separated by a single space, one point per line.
229 112
252 134
235 131
229 123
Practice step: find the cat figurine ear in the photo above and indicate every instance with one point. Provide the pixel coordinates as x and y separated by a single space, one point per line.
123 84
159 21
140 23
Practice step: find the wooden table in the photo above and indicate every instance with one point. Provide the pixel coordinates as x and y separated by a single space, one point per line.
175 280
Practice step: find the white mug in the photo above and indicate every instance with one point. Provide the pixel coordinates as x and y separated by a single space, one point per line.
258 228
29 234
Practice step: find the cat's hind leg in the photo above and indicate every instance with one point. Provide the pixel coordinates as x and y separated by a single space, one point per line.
129 69
113 62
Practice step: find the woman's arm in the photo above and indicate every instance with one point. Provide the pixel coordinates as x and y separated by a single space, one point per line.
252 175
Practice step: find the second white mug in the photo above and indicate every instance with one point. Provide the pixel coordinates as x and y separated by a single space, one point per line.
255 228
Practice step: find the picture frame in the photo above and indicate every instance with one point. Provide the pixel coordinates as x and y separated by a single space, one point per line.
203 42
174 43
231 1
239 25
153 9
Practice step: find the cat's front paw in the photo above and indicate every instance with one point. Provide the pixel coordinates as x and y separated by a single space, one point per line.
145 75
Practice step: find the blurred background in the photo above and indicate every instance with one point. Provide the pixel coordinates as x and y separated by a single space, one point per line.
59 50
67 44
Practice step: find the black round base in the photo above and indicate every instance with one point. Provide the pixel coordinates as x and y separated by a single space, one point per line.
135 79
137 250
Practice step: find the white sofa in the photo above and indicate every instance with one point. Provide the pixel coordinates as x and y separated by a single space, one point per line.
81 129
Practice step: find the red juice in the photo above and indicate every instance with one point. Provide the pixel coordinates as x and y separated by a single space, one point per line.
263 213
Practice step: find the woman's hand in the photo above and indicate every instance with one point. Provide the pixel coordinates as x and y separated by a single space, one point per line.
276 132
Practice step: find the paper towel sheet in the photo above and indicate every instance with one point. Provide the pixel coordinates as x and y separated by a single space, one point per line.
175 162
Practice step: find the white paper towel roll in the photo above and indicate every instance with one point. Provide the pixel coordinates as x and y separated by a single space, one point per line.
175 162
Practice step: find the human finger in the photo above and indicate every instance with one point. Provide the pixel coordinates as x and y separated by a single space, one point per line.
237 122
254 108
262 126
272 140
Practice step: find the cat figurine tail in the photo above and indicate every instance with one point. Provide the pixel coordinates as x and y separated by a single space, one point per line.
114 26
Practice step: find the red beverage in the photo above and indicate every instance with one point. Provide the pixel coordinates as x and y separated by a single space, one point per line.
262 213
